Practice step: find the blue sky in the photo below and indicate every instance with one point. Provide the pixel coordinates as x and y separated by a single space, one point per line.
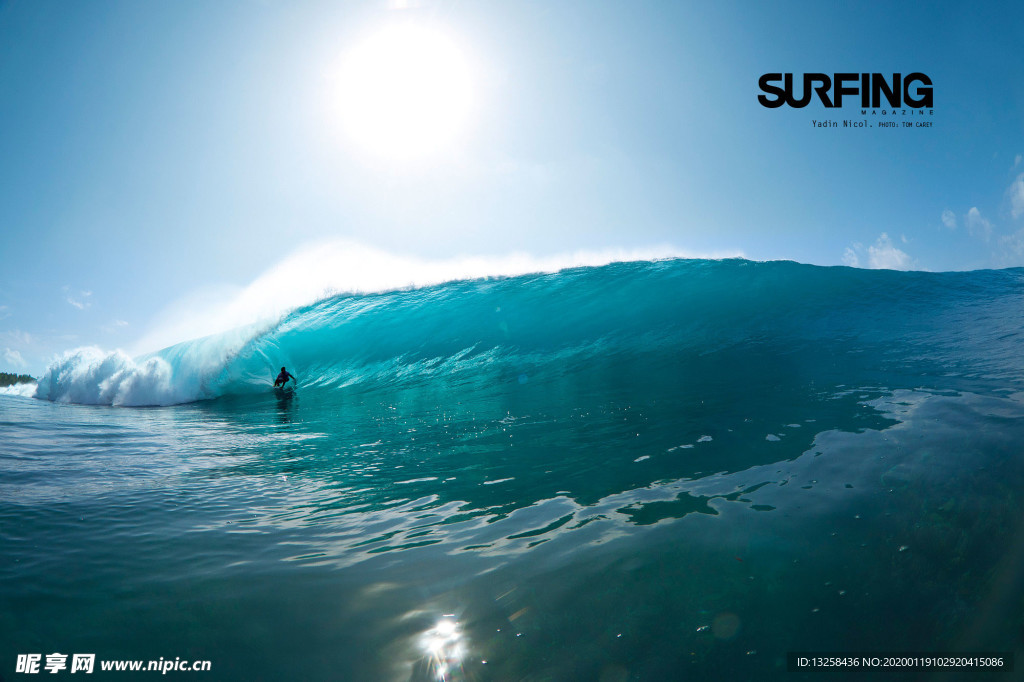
156 157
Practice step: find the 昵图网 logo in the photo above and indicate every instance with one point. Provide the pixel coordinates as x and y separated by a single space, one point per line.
875 90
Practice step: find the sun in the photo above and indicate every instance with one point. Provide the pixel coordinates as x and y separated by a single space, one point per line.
404 93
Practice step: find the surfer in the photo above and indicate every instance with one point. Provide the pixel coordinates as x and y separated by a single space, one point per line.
283 378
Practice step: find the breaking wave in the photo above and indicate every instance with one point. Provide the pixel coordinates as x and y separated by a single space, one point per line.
737 325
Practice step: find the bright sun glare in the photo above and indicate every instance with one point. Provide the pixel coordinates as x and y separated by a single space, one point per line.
404 93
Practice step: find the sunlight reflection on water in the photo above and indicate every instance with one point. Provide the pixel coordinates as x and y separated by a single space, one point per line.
445 647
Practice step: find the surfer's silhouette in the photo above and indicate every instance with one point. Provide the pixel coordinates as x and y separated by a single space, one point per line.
283 378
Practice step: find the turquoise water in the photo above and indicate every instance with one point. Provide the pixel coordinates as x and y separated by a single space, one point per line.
667 470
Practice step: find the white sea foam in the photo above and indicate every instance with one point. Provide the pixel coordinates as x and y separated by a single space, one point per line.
95 377
25 390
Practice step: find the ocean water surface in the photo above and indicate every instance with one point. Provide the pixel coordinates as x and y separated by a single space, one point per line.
678 469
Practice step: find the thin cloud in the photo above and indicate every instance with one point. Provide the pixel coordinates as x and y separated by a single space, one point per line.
12 358
1012 249
882 255
850 256
949 219
1016 193
18 337
79 300
114 326
978 226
